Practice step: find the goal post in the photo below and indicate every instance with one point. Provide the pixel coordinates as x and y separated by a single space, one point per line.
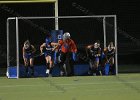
73 24
116 54
55 2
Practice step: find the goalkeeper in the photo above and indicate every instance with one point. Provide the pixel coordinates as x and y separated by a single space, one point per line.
28 52
67 54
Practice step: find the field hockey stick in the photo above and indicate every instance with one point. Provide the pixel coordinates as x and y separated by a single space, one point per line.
108 60
38 55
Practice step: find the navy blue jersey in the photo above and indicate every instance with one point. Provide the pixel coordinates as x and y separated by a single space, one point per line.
48 49
94 51
29 50
110 53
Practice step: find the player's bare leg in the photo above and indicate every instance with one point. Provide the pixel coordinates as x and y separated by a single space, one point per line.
47 64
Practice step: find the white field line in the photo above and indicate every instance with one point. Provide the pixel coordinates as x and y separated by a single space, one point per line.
56 91
96 83
108 89
72 84
8 86
96 90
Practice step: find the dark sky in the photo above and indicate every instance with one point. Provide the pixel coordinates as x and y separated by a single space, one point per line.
128 21
127 11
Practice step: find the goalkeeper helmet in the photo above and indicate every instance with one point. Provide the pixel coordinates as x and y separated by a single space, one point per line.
66 35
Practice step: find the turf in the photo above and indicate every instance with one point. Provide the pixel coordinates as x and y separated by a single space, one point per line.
121 87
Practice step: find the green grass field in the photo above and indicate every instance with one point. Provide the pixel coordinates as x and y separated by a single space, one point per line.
121 87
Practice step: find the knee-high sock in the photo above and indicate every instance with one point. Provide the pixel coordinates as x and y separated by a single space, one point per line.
51 69
48 69
32 68
48 65
112 69
61 66
94 70
26 68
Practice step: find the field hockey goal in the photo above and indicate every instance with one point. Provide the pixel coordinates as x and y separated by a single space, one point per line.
84 30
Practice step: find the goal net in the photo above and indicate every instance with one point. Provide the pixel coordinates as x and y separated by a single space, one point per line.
84 30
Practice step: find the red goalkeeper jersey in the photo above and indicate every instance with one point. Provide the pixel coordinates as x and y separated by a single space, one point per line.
68 46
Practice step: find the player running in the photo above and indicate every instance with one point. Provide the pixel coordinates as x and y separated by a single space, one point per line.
109 53
94 53
48 49
28 52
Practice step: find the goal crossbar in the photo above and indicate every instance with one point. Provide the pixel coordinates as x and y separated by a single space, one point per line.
92 16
